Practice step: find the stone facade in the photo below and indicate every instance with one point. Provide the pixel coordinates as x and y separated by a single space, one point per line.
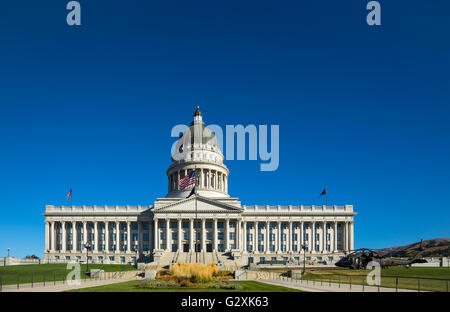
209 223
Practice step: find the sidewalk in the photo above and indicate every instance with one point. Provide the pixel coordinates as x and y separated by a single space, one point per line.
327 287
62 285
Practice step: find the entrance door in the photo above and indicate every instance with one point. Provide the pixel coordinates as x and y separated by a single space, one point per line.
185 247
208 247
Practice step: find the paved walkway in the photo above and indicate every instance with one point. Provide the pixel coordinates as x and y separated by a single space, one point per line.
62 285
327 287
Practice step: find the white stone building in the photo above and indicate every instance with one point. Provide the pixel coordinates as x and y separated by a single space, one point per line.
226 231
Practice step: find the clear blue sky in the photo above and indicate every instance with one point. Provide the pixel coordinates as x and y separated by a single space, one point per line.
363 111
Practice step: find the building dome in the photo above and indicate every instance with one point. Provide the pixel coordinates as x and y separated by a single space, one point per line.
198 149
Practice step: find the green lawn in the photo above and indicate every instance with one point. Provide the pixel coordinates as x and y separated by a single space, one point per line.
431 279
247 286
49 272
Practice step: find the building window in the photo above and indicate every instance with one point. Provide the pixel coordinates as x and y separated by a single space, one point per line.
261 226
272 237
283 226
260 248
209 235
294 237
220 225
208 225
145 248
145 226
250 237
111 258
271 226
316 248
249 247
220 247
319 258
220 236
232 225
199 235
146 237
134 237
308 258
232 235
274 258
262 259
261 237
272 247
122 259
339 236
305 226
162 225
163 235
294 247
330 258
249 226
232 246
328 226
328 248
175 235
294 226
174 247
328 237
283 247
173 225
317 237
283 237
68 258
186 236
134 226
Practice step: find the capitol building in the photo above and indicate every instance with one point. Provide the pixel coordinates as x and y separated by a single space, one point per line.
208 226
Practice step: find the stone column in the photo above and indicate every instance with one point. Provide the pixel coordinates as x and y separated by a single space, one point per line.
168 236
139 237
191 235
335 236
245 236
227 235
203 236
107 236
64 236
351 236
256 231
84 233
215 235
289 238
47 236
346 236
180 237
117 236
95 236
156 234
74 236
278 240
324 237
313 237
300 238
266 239
238 234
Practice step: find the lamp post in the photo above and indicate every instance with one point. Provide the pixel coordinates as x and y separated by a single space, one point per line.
8 251
304 247
88 247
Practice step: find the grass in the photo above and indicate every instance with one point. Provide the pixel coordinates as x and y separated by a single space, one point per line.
431 279
49 272
133 286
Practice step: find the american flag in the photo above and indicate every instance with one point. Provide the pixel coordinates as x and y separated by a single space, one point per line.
187 180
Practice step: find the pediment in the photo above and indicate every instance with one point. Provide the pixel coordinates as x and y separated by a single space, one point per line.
199 204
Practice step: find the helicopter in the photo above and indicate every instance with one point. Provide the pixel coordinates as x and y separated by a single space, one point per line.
359 259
